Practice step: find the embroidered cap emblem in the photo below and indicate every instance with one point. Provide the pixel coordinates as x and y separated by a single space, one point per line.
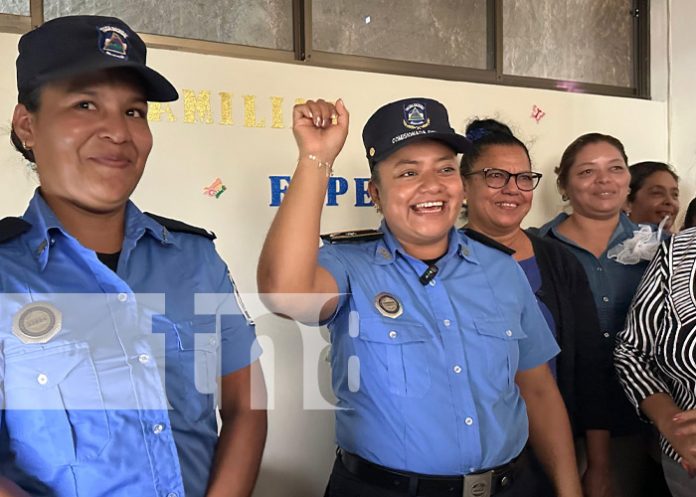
113 42
388 305
37 322
416 116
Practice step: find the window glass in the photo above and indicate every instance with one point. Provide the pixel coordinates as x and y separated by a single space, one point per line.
259 23
16 7
444 32
576 40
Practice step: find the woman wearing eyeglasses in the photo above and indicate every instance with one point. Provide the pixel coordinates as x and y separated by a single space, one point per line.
499 184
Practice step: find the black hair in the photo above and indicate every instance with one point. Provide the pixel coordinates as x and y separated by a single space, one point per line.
690 216
32 101
483 133
642 171
571 152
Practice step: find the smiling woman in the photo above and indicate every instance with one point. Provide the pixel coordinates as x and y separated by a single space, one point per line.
446 334
499 184
654 194
419 191
593 175
90 140
91 404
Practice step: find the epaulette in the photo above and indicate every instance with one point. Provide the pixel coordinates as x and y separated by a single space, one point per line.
481 238
352 236
178 226
11 227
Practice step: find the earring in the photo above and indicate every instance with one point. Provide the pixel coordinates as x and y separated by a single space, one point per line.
564 197
378 208
25 146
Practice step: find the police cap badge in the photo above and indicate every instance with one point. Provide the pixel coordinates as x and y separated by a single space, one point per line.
399 123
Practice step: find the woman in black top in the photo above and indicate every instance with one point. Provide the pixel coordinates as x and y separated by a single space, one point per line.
499 183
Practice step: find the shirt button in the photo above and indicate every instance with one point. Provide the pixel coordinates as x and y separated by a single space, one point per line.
457 369
606 334
52 242
447 322
144 358
469 421
599 268
432 283
605 299
213 341
122 297
508 333
393 334
42 379
172 494
157 429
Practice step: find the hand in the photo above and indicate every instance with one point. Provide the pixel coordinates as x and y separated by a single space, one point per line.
596 482
320 128
680 431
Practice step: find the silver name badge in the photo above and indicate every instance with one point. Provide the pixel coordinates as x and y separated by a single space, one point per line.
388 305
37 322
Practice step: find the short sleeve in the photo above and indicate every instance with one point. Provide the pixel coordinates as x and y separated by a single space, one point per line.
238 345
540 346
330 259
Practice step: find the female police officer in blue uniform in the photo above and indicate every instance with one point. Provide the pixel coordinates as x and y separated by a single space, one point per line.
436 337
108 364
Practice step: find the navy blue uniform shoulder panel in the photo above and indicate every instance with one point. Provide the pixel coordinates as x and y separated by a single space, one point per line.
177 226
352 236
12 227
481 238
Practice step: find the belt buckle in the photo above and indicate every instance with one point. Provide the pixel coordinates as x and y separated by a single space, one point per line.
478 485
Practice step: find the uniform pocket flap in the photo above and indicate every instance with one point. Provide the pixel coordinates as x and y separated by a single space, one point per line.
197 333
394 331
499 328
45 367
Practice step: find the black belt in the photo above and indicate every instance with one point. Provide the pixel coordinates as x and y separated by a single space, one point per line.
481 484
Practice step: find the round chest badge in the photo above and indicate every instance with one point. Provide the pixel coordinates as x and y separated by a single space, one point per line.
388 305
37 322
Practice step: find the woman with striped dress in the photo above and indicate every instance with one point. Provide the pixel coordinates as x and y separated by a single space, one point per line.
656 357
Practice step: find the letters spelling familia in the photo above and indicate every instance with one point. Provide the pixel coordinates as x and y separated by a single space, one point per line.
202 107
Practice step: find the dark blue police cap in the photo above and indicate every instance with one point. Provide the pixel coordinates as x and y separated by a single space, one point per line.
73 45
398 123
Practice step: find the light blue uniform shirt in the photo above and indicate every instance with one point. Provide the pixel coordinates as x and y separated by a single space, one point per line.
432 390
85 413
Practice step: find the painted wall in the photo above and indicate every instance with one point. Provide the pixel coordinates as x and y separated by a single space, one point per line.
681 71
233 124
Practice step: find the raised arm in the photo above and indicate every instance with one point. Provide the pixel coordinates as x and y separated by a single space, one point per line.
288 270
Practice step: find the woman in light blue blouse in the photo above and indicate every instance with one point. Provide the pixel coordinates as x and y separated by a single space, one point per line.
593 176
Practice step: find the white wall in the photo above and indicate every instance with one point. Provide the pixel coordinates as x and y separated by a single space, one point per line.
681 73
189 155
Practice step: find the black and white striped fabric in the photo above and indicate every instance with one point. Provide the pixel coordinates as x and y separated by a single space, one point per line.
657 350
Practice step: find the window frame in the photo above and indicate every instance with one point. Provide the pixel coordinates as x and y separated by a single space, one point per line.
304 54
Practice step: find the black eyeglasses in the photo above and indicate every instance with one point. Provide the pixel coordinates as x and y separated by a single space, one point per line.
498 178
